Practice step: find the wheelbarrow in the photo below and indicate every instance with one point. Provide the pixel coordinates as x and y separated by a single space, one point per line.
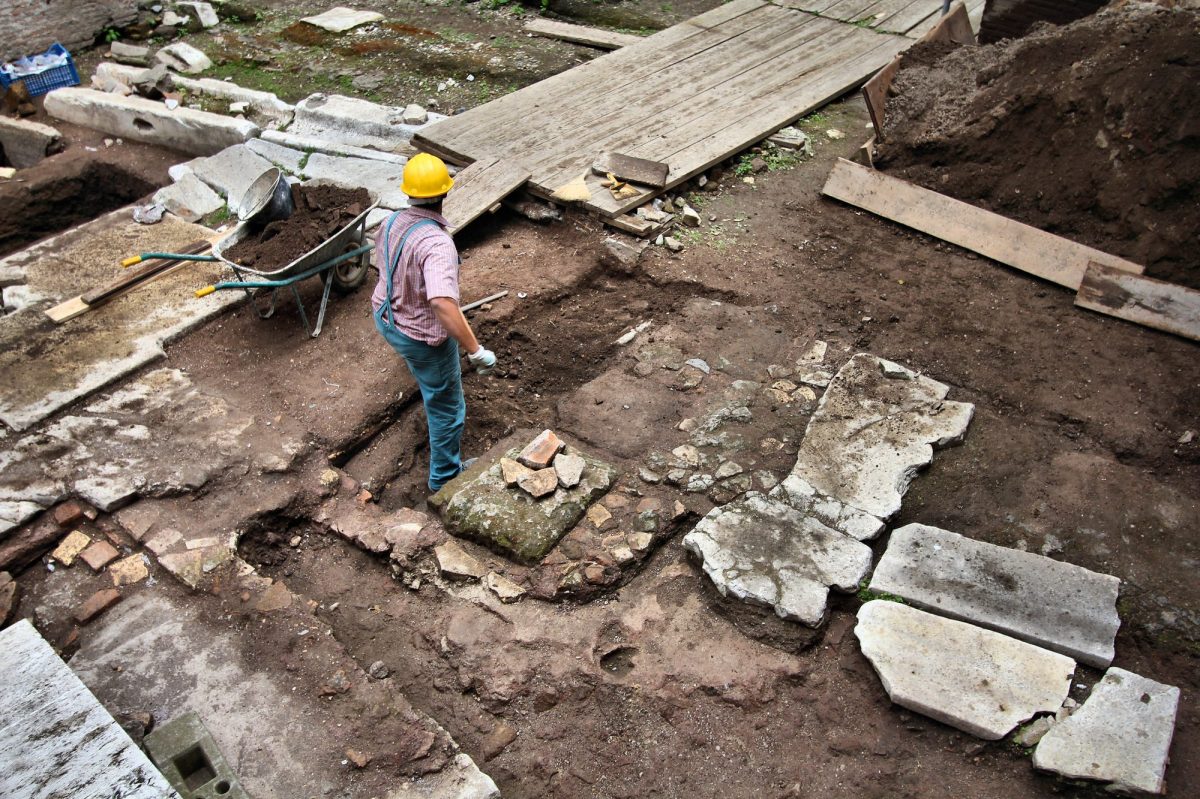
342 261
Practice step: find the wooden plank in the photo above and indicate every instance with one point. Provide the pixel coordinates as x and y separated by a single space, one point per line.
1005 240
478 187
636 225
56 738
580 34
637 170
1136 298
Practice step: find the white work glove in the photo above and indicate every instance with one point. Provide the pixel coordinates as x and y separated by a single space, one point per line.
482 359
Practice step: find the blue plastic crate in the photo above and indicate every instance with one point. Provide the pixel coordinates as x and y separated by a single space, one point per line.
41 82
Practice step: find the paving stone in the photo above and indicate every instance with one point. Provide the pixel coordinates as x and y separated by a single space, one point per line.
98 555
129 570
26 143
975 680
505 589
539 483
229 172
189 198
796 492
340 19
288 159
96 604
569 467
183 57
761 550
1057 605
350 121
1121 735
479 506
538 453
138 119
877 425
513 471
456 562
70 547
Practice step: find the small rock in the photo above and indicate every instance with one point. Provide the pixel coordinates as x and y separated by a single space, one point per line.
1033 732
498 740
804 394
766 480
777 397
359 759
539 483
687 454
639 542
98 555
748 180
727 469
368 83
513 471
294 541
690 216
673 244
378 670
786 386
677 476
276 597
541 451
816 377
699 363
505 589
678 510
456 562
338 683
96 604
415 115
9 596
330 478
686 426
66 552
758 164
648 476
598 515
622 255
569 468
699 483
1187 437
835 134
239 107
778 372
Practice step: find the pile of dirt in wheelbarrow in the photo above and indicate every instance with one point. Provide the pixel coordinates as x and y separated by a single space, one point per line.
1089 131
320 212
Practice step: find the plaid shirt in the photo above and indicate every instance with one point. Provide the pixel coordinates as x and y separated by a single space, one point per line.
428 268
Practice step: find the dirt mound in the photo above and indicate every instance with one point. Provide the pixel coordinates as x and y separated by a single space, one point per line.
1088 131
320 212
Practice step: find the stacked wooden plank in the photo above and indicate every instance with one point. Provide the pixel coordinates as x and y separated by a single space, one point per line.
689 96
912 18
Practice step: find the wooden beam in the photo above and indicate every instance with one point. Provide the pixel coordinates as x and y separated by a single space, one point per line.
635 170
1005 240
1136 298
479 187
580 34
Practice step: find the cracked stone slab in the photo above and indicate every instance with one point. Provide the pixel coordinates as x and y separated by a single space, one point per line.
762 550
875 427
479 505
855 523
354 122
972 679
229 172
341 19
1121 735
1057 605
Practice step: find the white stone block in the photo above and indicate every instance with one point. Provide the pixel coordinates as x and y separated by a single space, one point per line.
1046 602
354 122
182 57
139 119
230 172
340 19
830 512
25 142
1121 735
203 13
286 158
975 680
189 198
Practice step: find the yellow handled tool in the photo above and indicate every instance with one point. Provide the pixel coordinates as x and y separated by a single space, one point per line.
204 292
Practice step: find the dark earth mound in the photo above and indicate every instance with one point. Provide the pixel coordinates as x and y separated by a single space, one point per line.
320 212
1089 131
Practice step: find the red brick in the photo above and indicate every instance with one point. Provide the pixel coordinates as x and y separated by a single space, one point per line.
72 512
97 604
541 451
99 555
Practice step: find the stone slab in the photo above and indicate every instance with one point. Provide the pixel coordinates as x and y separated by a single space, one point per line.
381 180
975 680
354 122
14 514
1121 735
183 57
478 505
26 143
341 19
229 172
138 119
762 550
189 198
855 523
204 14
57 739
1057 605
875 427
317 144
288 159
265 103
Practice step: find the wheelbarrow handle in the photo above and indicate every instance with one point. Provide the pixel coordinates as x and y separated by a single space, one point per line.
173 256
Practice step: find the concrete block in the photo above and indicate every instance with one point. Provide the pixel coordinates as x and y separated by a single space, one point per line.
189 758
1121 735
139 119
189 198
26 143
182 57
761 550
229 172
975 680
1056 605
875 427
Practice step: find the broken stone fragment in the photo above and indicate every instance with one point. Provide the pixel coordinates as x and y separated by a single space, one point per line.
455 562
541 451
975 680
70 547
699 483
96 604
816 377
690 216
569 468
1121 735
539 483
649 476
622 255
673 244
688 455
806 499
9 595
498 740
203 14
131 54
1033 732
358 759
378 670
72 512
505 589
727 469
415 115
513 471
814 354
129 570
182 57
598 515
98 555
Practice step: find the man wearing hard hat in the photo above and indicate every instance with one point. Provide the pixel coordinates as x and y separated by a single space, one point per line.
416 309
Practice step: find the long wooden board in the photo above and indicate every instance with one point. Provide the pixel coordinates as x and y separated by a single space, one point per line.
580 34
1136 298
1005 240
478 188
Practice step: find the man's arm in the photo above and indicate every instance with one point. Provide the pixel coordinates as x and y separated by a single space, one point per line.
448 313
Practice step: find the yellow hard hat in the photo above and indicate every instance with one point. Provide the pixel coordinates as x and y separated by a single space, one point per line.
426 176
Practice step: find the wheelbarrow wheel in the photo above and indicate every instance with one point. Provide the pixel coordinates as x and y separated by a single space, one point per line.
349 275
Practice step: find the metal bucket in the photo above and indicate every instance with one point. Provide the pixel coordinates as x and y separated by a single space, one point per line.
268 199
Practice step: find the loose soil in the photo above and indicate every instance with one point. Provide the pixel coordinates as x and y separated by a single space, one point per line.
1087 130
320 212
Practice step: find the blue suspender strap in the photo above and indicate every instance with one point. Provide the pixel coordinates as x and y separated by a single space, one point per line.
394 259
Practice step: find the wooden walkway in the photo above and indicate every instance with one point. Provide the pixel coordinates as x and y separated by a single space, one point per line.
689 96
913 18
